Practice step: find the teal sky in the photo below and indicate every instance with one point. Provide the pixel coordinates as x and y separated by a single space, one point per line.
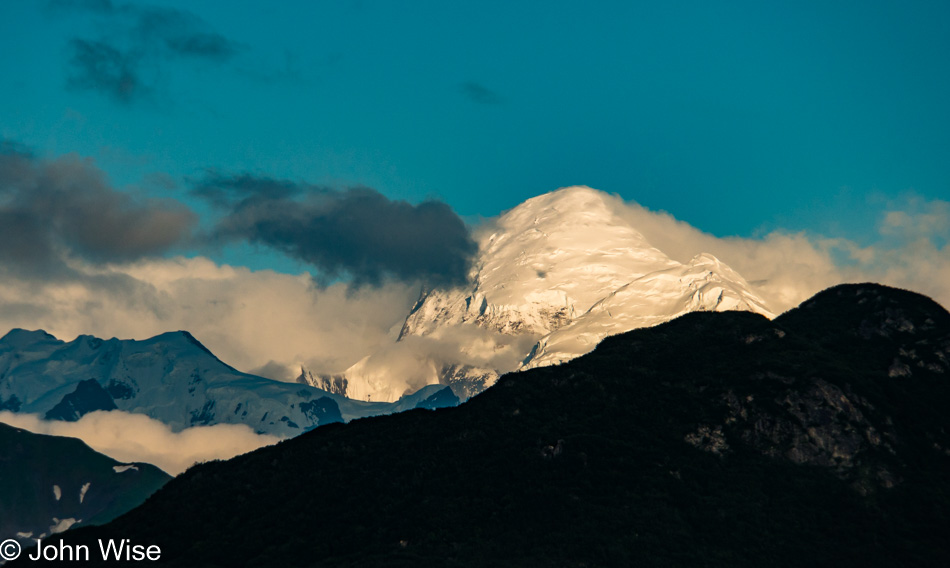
736 117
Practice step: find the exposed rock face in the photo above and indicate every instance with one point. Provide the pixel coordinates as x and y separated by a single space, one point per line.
445 398
333 383
89 396
708 438
821 425
467 380
808 417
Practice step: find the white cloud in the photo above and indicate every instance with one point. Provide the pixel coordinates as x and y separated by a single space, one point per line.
137 438
247 318
914 218
416 361
910 252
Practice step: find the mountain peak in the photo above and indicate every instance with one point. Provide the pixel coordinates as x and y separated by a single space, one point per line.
181 336
878 294
565 269
567 247
577 216
874 310
568 200
20 338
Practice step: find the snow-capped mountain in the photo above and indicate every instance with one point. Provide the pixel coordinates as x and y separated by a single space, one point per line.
172 378
562 270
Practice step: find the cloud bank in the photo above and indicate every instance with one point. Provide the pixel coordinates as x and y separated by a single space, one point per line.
909 251
247 318
137 438
417 361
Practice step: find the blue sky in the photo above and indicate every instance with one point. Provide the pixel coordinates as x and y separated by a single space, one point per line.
737 117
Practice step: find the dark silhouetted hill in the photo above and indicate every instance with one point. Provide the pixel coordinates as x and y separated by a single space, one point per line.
49 483
820 438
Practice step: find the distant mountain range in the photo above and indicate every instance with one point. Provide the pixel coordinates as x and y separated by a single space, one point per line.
172 378
819 438
50 483
563 271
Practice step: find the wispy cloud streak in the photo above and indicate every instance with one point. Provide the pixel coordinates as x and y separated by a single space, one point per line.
480 94
126 63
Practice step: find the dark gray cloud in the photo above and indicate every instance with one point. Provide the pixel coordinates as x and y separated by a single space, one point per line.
140 43
181 33
356 233
97 66
206 45
480 94
227 191
53 209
